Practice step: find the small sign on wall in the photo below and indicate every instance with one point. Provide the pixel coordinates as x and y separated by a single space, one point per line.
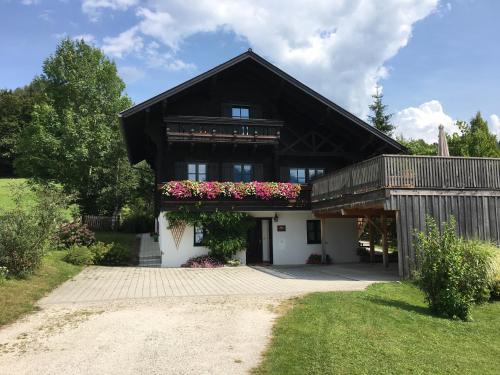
281 228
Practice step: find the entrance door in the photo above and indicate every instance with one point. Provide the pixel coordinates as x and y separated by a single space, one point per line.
259 242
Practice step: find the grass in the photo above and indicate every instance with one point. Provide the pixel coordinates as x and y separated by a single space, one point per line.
386 329
19 296
6 186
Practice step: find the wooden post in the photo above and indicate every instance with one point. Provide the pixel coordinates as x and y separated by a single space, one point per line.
385 243
323 241
372 242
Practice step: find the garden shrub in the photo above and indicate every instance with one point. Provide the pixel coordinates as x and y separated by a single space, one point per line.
79 255
117 255
137 217
225 231
99 251
74 233
204 261
495 282
233 262
452 272
4 272
27 230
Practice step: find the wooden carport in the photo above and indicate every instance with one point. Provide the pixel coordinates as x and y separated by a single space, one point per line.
410 188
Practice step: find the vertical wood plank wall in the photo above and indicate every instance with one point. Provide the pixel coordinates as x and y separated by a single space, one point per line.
477 215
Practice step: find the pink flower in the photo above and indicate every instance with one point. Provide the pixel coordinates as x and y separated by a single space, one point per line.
212 190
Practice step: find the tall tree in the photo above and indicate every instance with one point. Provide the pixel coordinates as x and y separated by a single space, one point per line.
475 139
16 107
379 118
74 138
418 146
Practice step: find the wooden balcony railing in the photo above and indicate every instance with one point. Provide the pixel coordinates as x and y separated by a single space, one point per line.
409 172
222 130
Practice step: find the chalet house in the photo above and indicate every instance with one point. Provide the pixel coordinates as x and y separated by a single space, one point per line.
246 120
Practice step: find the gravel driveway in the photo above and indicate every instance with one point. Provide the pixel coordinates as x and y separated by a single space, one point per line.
163 321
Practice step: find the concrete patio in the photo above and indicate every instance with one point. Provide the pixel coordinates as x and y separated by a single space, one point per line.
117 283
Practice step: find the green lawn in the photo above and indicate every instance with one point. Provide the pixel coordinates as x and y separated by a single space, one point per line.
386 329
18 296
6 185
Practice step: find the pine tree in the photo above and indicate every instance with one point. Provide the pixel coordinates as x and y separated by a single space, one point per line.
379 118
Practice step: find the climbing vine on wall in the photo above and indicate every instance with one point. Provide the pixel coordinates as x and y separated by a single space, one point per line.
225 231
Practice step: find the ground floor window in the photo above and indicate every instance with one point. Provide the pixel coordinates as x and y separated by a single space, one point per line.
199 233
313 231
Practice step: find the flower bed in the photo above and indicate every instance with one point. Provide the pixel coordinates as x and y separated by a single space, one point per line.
234 190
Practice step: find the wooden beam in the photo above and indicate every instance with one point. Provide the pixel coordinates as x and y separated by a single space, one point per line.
372 241
385 243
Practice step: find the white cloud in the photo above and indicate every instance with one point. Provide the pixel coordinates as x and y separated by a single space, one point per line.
130 74
126 42
338 48
88 38
93 8
46 15
156 58
422 122
30 2
494 124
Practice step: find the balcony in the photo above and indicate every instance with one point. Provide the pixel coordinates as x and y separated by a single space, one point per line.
408 172
199 129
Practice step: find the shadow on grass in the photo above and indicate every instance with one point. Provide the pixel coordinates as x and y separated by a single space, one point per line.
403 306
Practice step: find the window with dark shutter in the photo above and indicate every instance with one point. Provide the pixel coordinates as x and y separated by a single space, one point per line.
313 231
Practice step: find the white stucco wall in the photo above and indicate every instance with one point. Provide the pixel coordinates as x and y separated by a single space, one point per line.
289 247
175 257
341 236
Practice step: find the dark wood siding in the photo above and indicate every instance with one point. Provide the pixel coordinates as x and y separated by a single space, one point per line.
477 215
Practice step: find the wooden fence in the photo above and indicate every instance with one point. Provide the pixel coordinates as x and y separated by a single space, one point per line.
101 223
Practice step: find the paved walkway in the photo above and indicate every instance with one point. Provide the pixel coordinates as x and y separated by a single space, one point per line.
206 321
116 283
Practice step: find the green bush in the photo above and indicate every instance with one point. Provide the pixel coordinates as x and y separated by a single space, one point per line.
118 255
74 233
99 251
452 272
79 255
27 230
4 272
137 216
495 283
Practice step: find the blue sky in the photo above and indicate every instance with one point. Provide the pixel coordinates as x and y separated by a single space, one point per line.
437 61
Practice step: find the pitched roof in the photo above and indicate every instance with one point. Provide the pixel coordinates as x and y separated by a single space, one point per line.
286 77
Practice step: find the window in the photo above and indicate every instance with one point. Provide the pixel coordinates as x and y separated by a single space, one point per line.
242 172
240 112
199 233
298 175
313 231
197 172
315 172
303 175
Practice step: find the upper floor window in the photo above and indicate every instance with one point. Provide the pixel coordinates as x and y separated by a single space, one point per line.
240 112
316 172
242 172
197 172
303 175
298 175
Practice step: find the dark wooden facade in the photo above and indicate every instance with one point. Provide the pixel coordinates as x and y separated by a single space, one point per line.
410 188
289 126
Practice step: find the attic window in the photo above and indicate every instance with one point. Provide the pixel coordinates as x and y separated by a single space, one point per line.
240 112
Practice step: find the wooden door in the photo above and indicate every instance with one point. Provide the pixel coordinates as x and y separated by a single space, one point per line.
254 243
